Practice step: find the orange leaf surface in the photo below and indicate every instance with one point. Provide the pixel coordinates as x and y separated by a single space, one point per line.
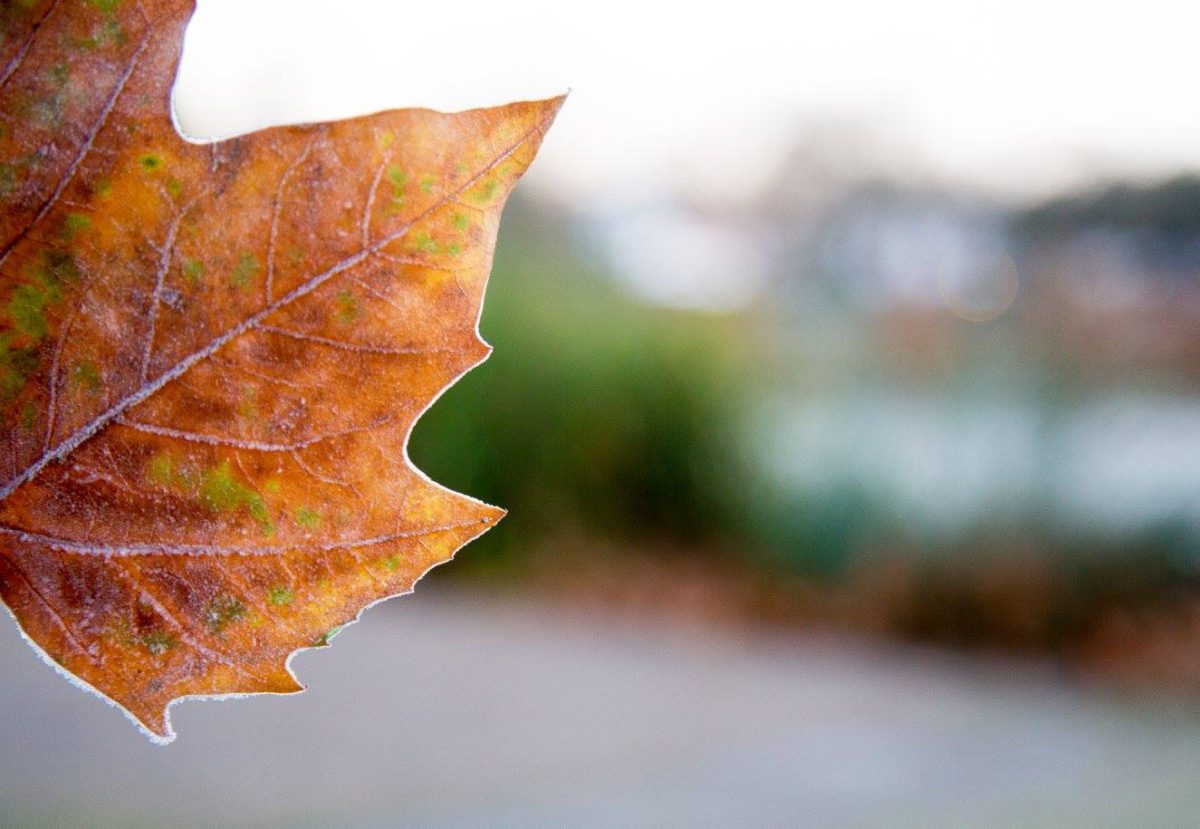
211 357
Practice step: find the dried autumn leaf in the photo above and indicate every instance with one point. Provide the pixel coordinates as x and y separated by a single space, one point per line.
211 357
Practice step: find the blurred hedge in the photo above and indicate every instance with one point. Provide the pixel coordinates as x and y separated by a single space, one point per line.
595 414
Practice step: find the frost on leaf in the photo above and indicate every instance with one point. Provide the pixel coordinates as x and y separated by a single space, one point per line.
211 357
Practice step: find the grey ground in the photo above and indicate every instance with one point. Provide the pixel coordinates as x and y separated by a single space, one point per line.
466 710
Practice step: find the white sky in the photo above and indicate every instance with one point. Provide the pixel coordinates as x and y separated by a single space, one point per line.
1020 95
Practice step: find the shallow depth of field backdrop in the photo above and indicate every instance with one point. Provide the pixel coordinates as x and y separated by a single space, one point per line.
846 403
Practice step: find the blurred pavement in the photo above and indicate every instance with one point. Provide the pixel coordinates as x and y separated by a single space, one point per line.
449 709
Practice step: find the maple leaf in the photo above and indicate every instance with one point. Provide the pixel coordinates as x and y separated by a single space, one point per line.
211 357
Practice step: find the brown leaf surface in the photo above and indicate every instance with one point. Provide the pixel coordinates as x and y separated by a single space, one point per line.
211 357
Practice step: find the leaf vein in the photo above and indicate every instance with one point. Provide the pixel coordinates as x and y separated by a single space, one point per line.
19 58
153 548
168 617
277 212
252 322
73 167
240 443
62 623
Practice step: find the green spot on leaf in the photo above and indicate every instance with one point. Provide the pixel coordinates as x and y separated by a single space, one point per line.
423 242
221 492
348 308
8 179
74 224
166 471
244 271
27 309
150 162
398 179
322 641
85 375
109 32
158 642
16 366
460 221
248 406
223 611
486 191
160 469
55 268
310 519
28 302
193 271
281 595
28 417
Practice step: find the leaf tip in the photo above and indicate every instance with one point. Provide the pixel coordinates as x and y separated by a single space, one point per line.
555 104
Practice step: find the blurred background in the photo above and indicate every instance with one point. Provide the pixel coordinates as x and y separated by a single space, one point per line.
846 403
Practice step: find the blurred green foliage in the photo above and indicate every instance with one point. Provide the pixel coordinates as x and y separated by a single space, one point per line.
617 432
596 415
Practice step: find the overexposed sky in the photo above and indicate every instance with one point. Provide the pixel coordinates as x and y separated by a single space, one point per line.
1021 96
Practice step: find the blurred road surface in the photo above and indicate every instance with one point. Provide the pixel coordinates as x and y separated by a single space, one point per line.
461 710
